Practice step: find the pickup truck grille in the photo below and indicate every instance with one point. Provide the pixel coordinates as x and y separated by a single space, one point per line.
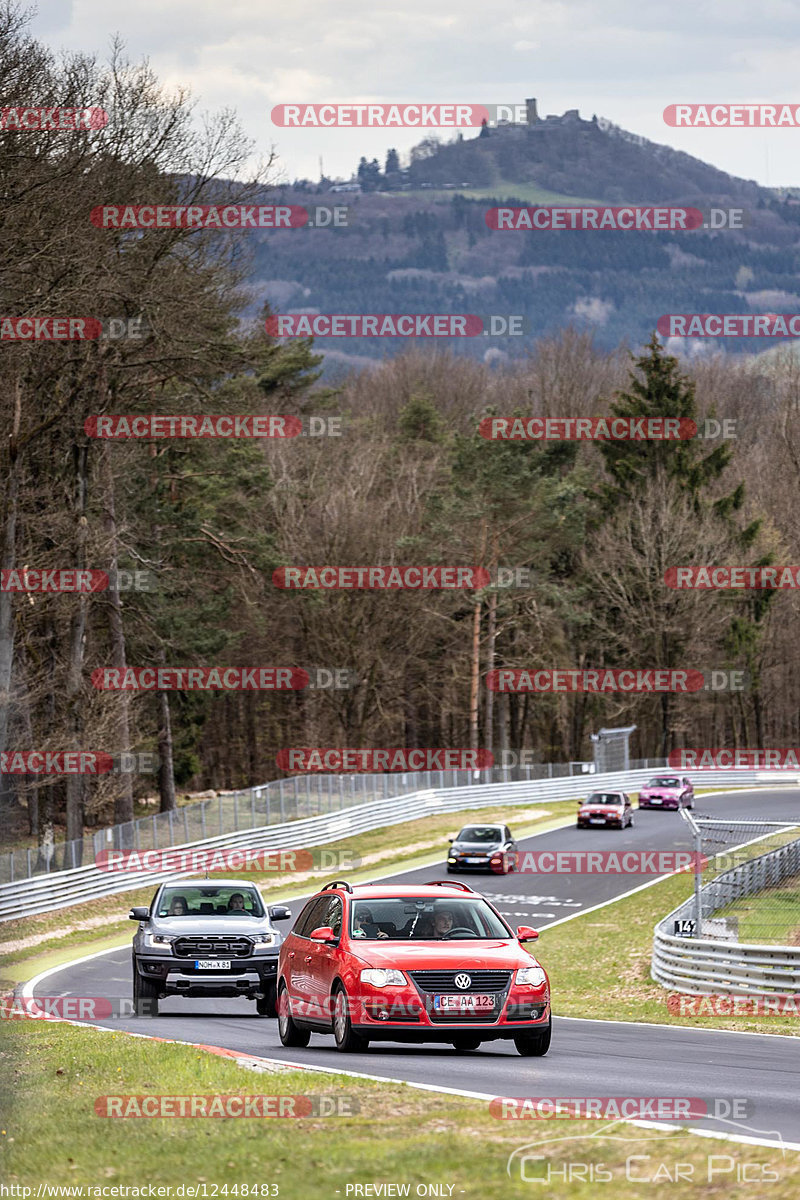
212 947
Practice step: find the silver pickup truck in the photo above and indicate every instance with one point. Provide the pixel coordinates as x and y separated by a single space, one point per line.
202 938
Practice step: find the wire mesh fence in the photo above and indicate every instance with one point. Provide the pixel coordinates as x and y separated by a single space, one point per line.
749 888
272 803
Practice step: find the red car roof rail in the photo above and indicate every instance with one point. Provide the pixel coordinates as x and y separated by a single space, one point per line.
450 883
337 883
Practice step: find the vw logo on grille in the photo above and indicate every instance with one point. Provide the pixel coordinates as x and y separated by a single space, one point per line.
462 981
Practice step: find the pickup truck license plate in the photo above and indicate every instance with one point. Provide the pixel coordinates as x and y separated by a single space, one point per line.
212 964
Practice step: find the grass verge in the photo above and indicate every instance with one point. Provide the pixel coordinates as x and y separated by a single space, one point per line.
51 1075
771 916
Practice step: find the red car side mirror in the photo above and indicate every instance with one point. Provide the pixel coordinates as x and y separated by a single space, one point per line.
323 934
526 934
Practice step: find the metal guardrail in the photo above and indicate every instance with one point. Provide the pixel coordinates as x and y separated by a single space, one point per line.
271 803
702 966
62 889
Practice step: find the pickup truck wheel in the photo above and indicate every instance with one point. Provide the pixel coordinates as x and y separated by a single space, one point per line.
266 1005
288 1032
145 995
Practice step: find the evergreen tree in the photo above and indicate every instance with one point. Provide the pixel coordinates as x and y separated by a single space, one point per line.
642 468
369 175
660 390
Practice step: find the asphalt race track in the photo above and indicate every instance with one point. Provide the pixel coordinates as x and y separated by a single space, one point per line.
587 1057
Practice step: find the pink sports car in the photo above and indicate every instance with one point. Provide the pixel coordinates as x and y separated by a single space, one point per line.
667 791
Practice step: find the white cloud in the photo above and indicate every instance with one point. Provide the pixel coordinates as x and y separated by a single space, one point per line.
593 309
623 60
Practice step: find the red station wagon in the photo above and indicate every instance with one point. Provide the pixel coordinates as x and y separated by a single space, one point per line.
430 962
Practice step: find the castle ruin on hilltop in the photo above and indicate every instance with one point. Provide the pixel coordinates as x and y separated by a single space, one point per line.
571 117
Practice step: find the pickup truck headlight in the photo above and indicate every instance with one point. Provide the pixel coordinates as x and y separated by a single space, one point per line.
382 976
531 975
262 940
155 941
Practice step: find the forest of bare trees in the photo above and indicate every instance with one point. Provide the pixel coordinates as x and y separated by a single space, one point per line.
410 480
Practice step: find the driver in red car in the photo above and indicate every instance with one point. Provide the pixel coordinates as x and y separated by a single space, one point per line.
442 923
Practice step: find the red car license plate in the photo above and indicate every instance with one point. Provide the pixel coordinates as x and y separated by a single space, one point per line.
463 1003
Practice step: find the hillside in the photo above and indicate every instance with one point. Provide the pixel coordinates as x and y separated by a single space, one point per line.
420 243
576 157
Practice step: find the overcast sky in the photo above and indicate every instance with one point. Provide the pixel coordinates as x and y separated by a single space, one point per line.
621 59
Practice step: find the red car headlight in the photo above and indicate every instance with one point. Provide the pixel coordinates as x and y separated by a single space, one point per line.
533 976
383 977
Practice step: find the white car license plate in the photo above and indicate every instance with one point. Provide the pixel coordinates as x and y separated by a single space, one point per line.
470 1003
212 964
597 820
474 860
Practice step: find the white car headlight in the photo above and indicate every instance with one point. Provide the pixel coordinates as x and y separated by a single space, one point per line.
532 975
155 941
382 976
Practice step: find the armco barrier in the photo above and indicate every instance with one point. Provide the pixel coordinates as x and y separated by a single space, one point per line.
703 966
271 803
61 889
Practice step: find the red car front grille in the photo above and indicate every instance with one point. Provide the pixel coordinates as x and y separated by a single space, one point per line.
445 981
483 982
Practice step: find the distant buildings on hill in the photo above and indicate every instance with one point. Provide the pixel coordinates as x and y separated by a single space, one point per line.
571 117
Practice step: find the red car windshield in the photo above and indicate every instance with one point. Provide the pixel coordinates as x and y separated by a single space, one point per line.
670 783
607 799
415 919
